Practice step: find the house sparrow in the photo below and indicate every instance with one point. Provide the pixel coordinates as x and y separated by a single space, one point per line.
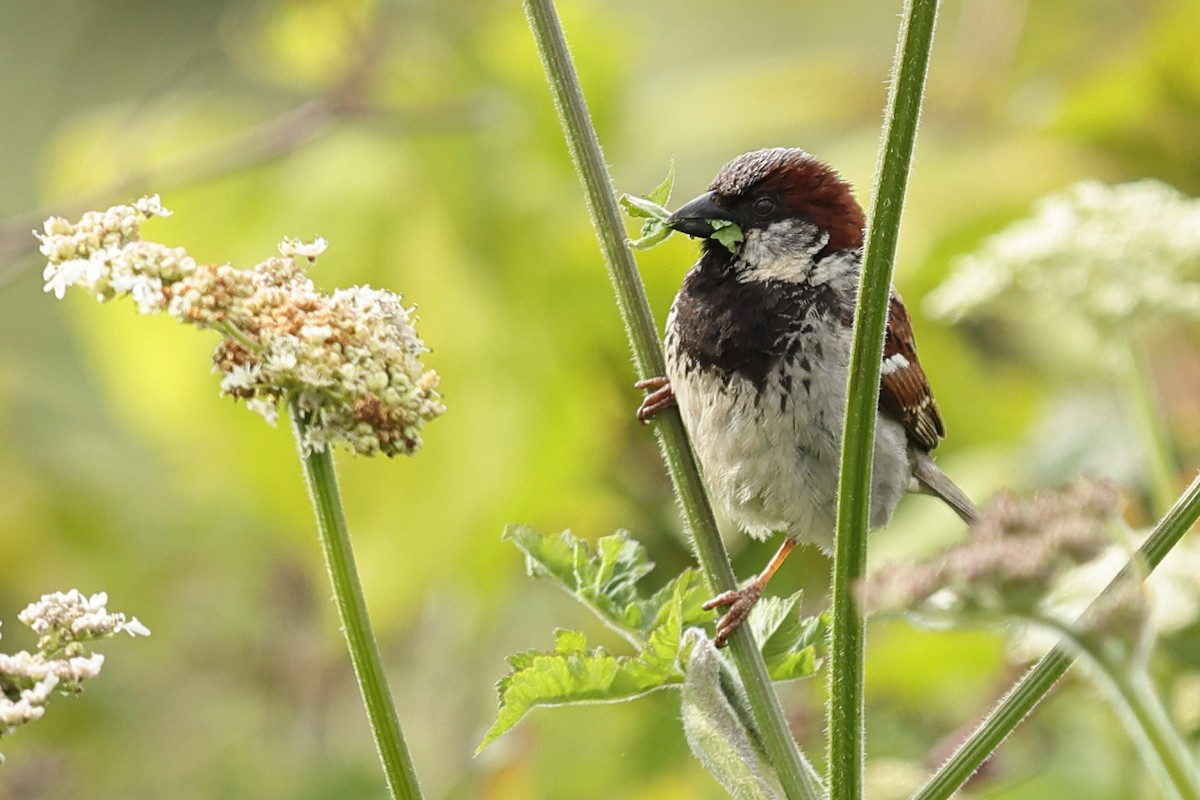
757 351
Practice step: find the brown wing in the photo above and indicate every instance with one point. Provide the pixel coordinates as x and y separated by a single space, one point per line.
904 390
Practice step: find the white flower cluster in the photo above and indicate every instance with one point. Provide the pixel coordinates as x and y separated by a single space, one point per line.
63 621
1116 253
350 362
64 618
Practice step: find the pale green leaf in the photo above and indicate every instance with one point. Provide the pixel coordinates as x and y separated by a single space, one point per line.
642 208
662 193
574 674
653 232
605 578
651 208
791 644
727 233
717 734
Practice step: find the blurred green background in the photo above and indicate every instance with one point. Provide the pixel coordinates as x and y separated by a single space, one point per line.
419 139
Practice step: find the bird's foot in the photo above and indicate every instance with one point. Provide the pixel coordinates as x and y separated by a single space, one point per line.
661 397
740 602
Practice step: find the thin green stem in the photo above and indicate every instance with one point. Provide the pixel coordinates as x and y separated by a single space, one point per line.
797 776
847 654
352 610
1161 465
1151 728
1026 694
230 330
1137 704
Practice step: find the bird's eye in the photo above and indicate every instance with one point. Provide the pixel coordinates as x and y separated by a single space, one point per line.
763 206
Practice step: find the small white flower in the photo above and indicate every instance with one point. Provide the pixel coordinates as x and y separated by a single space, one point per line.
242 376
266 408
134 627
59 277
298 248
316 333
152 207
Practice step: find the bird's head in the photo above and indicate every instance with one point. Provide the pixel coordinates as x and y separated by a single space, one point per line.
793 210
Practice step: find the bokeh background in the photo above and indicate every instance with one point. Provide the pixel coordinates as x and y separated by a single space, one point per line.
419 139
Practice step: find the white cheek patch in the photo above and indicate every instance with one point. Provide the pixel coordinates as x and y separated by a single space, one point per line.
894 363
783 251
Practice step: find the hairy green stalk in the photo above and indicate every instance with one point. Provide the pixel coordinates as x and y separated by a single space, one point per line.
1123 677
352 611
1150 726
1026 694
846 712
796 775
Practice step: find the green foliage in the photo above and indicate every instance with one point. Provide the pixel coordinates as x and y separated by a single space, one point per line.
605 580
651 208
717 730
791 644
727 233
572 673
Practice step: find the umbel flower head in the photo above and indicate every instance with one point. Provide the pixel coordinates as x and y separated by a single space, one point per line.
1118 254
1009 566
350 362
64 622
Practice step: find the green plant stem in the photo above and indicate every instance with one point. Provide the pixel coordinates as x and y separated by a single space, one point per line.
1132 695
352 610
846 712
1161 466
797 776
1151 728
1026 694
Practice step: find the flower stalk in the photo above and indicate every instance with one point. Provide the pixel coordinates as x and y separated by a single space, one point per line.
846 727
797 776
1030 690
352 611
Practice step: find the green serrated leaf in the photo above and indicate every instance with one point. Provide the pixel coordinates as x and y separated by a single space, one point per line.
605 578
567 642
791 644
651 208
693 593
727 233
574 674
653 233
662 193
642 208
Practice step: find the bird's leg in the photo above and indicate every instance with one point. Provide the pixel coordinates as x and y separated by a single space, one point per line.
740 601
661 397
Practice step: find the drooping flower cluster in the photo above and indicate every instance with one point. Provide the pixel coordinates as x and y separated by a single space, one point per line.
1115 253
350 362
64 623
1012 561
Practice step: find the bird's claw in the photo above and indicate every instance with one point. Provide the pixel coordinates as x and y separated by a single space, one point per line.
661 397
739 601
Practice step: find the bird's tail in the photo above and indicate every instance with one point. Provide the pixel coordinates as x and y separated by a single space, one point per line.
931 480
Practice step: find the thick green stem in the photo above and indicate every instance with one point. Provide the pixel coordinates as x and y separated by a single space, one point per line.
1026 694
796 775
846 711
352 610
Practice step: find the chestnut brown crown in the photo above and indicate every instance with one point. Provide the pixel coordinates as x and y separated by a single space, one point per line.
781 182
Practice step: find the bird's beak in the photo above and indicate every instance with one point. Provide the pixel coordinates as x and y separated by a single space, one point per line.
693 217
